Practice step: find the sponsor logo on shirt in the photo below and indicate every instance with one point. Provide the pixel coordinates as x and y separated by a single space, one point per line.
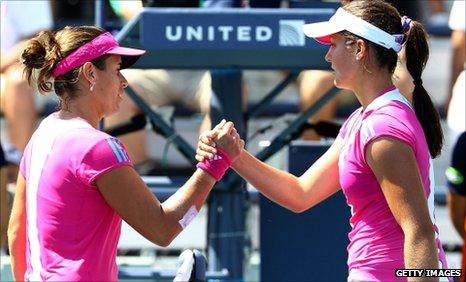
118 150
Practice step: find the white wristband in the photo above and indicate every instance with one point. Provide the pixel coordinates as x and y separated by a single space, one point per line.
188 217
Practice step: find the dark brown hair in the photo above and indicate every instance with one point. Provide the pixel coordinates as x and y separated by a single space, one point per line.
384 16
46 49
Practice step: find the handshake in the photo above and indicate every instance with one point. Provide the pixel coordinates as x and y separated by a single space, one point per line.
218 148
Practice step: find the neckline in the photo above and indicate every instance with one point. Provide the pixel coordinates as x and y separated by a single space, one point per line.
384 92
74 120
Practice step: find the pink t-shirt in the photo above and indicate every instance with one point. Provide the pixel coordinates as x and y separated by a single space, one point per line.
376 239
72 233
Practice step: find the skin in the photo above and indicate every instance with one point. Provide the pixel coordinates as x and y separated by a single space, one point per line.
401 77
354 68
4 207
122 187
11 58
457 208
458 37
17 99
17 231
313 85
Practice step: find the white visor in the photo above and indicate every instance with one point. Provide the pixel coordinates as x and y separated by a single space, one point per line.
342 20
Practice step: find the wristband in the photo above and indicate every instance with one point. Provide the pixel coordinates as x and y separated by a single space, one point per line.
217 165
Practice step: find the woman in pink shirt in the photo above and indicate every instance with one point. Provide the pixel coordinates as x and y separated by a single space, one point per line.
382 156
76 183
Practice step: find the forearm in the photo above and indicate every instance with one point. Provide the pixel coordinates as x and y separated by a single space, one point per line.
17 246
458 56
279 186
12 57
17 243
458 223
192 194
125 191
420 252
457 208
17 231
5 62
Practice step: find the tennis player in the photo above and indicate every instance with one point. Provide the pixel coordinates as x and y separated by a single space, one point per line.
381 158
76 183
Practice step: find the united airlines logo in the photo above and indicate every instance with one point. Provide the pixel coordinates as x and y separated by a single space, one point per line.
287 33
290 33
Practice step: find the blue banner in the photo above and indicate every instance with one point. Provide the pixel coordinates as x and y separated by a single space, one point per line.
228 29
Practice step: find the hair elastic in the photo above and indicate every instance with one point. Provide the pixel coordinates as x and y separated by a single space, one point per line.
405 23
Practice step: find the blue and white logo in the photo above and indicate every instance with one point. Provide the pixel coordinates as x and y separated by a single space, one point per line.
291 33
262 30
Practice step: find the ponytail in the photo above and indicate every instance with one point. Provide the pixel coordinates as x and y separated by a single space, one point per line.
41 53
417 53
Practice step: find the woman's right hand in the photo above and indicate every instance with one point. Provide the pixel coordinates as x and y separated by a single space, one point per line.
224 136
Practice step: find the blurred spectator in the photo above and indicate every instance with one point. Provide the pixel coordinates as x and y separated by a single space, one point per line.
72 12
411 8
4 206
456 196
158 88
455 102
19 21
313 84
438 15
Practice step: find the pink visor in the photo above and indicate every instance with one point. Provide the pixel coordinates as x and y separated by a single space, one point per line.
101 45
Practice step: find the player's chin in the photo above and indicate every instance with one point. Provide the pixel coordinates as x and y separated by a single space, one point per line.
340 84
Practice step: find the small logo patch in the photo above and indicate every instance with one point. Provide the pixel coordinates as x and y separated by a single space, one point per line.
118 150
217 158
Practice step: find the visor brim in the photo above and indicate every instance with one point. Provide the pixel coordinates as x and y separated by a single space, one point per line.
129 56
321 31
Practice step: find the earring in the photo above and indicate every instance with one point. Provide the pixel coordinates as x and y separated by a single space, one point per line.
92 87
365 68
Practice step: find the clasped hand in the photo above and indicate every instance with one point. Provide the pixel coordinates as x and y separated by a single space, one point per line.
224 136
